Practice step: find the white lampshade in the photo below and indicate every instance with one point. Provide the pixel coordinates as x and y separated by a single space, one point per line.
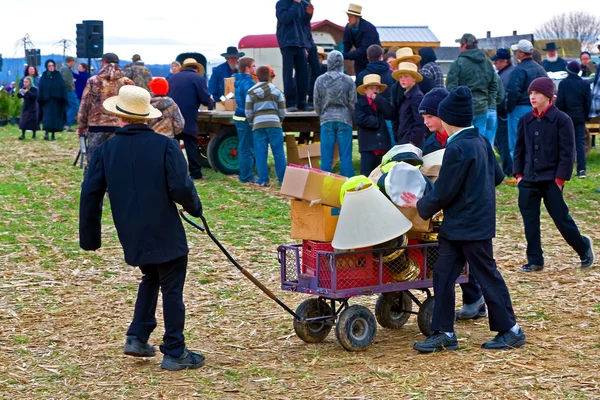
434 158
404 177
368 218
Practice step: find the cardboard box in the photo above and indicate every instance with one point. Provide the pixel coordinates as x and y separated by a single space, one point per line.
316 222
229 86
419 224
227 105
299 155
312 185
431 171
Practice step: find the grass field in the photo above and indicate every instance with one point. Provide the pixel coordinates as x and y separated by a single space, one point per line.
64 312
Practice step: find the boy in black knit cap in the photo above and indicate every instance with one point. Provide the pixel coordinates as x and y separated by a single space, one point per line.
544 158
466 191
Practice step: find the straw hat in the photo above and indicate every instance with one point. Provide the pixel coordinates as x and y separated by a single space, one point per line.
407 68
405 54
132 102
321 52
354 9
371 80
189 62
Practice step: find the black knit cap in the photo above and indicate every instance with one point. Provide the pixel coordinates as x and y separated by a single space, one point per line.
542 85
431 101
457 108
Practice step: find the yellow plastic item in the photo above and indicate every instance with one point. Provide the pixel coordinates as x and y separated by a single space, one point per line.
353 184
386 168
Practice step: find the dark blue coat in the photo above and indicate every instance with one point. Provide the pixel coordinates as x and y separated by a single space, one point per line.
410 126
361 39
81 79
373 133
517 93
291 31
216 84
555 66
545 147
188 90
432 144
145 174
397 93
309 42
574 98
382 69
465 189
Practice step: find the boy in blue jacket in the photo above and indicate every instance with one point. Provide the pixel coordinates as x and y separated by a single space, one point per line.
243 83
466 191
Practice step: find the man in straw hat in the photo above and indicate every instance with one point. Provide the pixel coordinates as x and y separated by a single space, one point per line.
473 70
360 34
188 89
92 120
373 136
216 84
145 174
466 186
376 66
292 38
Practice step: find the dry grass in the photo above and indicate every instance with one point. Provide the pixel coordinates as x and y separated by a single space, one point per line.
64 312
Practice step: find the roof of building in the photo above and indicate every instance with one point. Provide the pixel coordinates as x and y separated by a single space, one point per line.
395 34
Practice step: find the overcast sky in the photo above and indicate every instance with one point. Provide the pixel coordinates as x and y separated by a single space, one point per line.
160 30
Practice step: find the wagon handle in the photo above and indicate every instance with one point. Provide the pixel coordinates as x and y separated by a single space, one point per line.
237 265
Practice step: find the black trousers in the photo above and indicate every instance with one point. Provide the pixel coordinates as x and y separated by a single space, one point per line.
530 198
193 155
315 71
480 255
294 58
471 290
368 162
580 145
169 278
502 145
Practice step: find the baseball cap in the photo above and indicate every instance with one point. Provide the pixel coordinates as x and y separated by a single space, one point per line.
501 54
467 39
524 45
110 58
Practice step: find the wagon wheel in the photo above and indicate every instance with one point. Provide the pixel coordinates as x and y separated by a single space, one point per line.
313 332
392 310
425 316
356 328
222 152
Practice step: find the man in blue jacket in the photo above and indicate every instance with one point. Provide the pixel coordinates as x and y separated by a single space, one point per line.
188 89
145 174
360 34
291 35
216 83
466 191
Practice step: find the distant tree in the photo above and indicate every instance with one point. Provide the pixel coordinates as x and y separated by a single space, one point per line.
580 25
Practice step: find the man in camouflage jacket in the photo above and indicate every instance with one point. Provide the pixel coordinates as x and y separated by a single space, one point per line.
93 119
138 73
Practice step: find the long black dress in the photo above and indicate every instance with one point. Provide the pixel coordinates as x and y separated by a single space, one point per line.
52 97
29 120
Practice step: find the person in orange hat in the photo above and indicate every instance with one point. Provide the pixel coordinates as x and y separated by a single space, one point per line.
171 122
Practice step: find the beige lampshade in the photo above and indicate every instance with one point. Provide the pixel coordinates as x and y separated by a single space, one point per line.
434 158
368 218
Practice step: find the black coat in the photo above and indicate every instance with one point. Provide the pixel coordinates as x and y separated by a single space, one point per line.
291 30
361 39
145 174
517 93
397 93
465 189
574 98
188 89
554 66
29 113
373 133
545 147
405 110
52 98
432 144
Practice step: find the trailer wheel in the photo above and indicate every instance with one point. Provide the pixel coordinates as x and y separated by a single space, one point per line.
425 316
356 328
222 152
392 310
313 332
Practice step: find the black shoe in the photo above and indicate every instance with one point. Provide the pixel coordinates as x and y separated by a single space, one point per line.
135 347
505 341
52 138
46 136
588 258
291 109
472 311
307 108
581 174
188 359
33 135
530 268
22 137
437 342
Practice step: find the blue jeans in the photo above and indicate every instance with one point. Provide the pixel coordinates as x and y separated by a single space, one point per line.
263 137
502 145
513 122
341 133
490 126
72 108
245 151
480 122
